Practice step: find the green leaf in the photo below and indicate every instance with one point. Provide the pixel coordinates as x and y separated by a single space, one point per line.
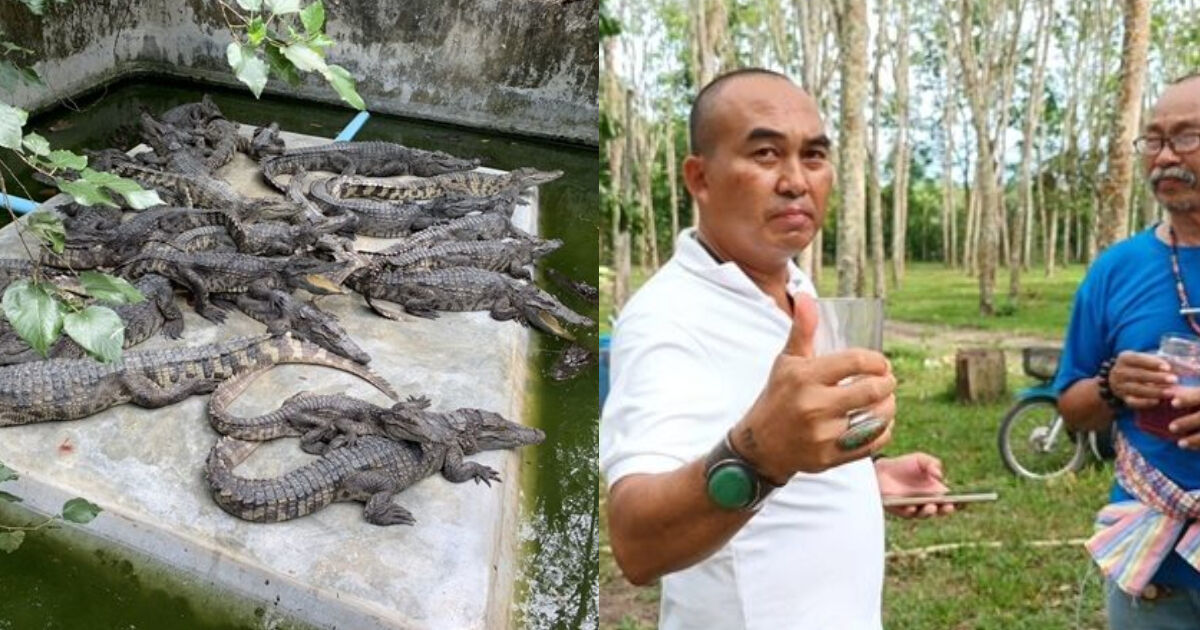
281 66
305 57
80 511
320 41
10 47
137 197
250 5
35 6
341 81
10 75
35 316
283 7
99 330
8 474
313 17
66 159
142 199
11 121
8 497
48 227
248 66
108 288
11 541
256 31
36 144
84 192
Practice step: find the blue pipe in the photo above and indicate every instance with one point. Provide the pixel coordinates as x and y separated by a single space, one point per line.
20 205
352 127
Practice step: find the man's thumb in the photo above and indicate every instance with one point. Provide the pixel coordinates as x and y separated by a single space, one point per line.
804 326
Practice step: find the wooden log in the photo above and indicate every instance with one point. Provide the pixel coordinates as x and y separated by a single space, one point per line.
980 375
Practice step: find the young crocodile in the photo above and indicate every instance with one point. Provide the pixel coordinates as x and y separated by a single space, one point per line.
468 184
142 321
363 158
372 470
483 227
424 293
205 273
388 220
67 389
510 256
281 313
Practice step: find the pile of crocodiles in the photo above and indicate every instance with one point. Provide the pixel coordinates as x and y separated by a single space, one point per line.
453 248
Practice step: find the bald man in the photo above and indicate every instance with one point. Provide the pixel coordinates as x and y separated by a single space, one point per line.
720 436
1147 541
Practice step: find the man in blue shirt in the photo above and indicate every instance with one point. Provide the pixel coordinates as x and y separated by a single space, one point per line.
1147 541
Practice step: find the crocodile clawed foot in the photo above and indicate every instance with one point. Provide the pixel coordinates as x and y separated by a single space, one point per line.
213 314
392 515
487 475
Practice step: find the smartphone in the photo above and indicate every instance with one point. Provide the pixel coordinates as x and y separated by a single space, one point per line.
969 497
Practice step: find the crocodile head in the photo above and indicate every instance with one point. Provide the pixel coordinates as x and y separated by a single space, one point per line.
313 275
541 248
323 329
525 177
544 312
479 430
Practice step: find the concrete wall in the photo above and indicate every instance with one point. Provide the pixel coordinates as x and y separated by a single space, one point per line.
521 66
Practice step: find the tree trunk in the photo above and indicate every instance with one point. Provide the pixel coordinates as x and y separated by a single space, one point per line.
672 177
1114 207
949 212
875 192
852 151
900 169
1022 230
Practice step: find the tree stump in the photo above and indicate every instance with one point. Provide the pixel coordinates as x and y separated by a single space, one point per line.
980 375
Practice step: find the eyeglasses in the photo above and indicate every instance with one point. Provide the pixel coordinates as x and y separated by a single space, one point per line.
1180 144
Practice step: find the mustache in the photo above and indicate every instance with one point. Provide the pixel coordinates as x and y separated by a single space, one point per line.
1172 172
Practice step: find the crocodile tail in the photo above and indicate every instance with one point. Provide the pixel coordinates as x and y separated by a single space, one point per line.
292 349
236 495
265 427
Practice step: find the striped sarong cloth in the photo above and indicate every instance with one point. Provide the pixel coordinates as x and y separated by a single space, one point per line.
1134 537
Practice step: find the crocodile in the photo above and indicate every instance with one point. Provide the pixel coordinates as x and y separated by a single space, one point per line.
189 189
141 321
282 312
87 249
321 421
68 389
509 256
486 226
13 269
571 362
372 470
467 184
363 158
424 293
388 220
204 273
578 287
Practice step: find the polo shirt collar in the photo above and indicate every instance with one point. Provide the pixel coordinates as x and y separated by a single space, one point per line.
694 258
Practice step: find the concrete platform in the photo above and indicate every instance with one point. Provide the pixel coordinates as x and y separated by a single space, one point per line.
454 569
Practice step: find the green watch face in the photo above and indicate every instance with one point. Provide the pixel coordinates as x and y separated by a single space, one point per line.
730 487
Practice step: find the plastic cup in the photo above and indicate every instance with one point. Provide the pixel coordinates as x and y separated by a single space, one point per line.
1182 352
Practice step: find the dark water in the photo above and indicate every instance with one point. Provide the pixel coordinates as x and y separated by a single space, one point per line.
560 531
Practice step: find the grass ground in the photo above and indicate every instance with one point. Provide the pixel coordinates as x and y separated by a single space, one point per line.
1013 585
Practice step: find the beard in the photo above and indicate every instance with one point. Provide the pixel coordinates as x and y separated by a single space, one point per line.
1178 173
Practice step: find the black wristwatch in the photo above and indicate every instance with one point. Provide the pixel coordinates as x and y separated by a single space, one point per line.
732 483
1109 397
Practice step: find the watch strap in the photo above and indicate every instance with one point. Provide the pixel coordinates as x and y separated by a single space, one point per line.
732 482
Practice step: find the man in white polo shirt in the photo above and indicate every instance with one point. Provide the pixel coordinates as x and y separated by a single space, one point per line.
717 400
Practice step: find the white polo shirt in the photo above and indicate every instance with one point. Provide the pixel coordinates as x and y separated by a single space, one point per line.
691 352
